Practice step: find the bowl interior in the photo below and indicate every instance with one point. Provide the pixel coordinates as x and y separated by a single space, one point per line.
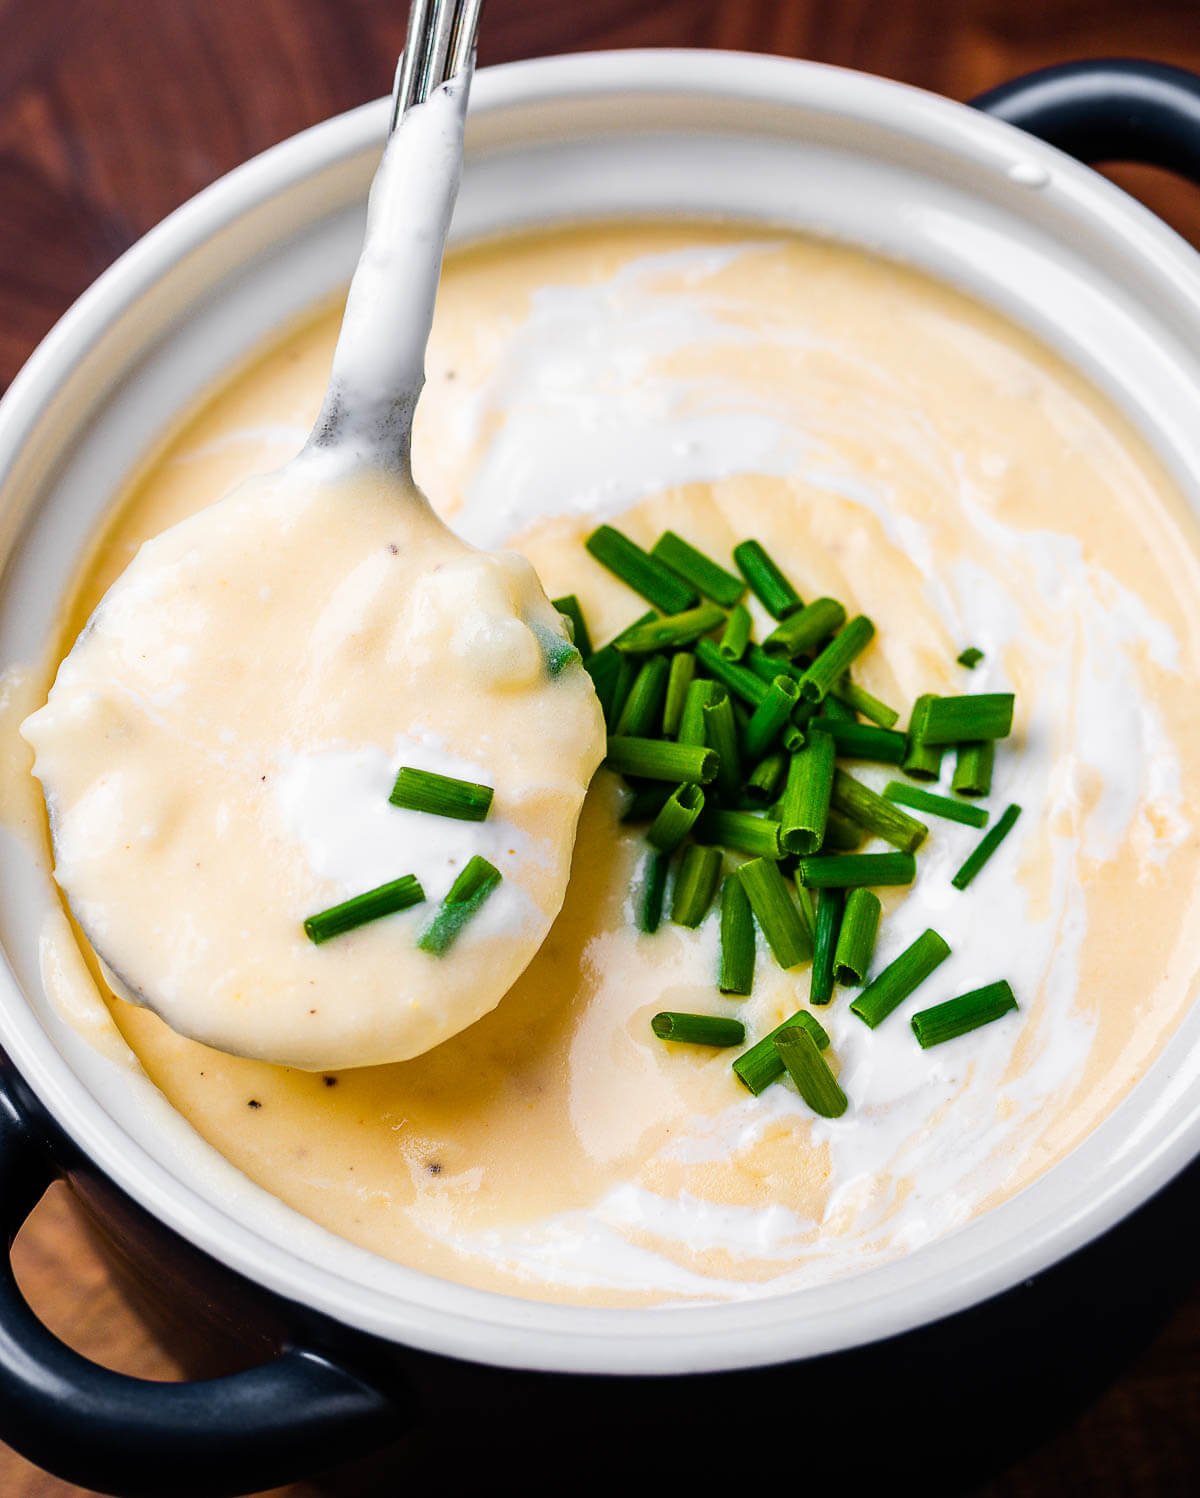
873 163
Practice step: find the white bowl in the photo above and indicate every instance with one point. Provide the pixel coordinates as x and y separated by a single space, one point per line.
930 182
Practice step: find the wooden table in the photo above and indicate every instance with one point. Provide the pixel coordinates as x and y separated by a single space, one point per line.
112 112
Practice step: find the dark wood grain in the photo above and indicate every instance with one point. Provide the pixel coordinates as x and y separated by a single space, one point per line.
112 112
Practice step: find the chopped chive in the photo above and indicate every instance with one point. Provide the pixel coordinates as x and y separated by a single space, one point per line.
737 939
849 870
967 1012
936 806
654 887
557 651
973 768
641 717
612 676
647 618
800 631
467 894
679 679
771 716
856 937
582 640
766 581
900 978
794 736
761 1065
970 657
701 571
765 779
736 634
837 712
695 884
676 819
837 656
863 702
815 1083
441 795
884 746
669 630
720 730
804 806
741 832
960 720
842 835
808 909
986 846
647 802
635 567
829 916
698 1029
659 759
921 760
775 912
768 667
386 899
738 679
691 724
881 818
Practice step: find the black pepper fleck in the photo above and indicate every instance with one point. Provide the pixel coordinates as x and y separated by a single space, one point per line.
434 1168
330 1081
253 1103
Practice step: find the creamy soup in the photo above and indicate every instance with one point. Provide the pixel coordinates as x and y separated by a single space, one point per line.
893 445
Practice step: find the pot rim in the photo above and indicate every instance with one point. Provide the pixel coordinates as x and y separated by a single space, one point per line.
1110 1178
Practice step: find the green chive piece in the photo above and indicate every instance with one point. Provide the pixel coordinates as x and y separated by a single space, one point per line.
635 567
581 638
968 1012
695 568
771 716
970 657
836 658
399 894
720 730
736 678
441 795
467 894
986 846
863 740
765 779
775 912
695 884
641 717
612 676
808 909
768 667
654 887
676 819
679 679
647 802
691 722
829 918
761 1065
849 870
741 832
659 759
557 651
670 630
881 818
921 760
863 702
737 939
736 634
804 806
766 581
647 618
805 629
815 1083
856 936
960 720
973 768
698 1029
842 835
900 978
839 712
937 806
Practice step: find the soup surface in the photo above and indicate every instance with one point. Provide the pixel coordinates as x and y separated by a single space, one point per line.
894 445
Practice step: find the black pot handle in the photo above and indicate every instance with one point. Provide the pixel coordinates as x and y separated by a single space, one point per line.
297 1414
1110 109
